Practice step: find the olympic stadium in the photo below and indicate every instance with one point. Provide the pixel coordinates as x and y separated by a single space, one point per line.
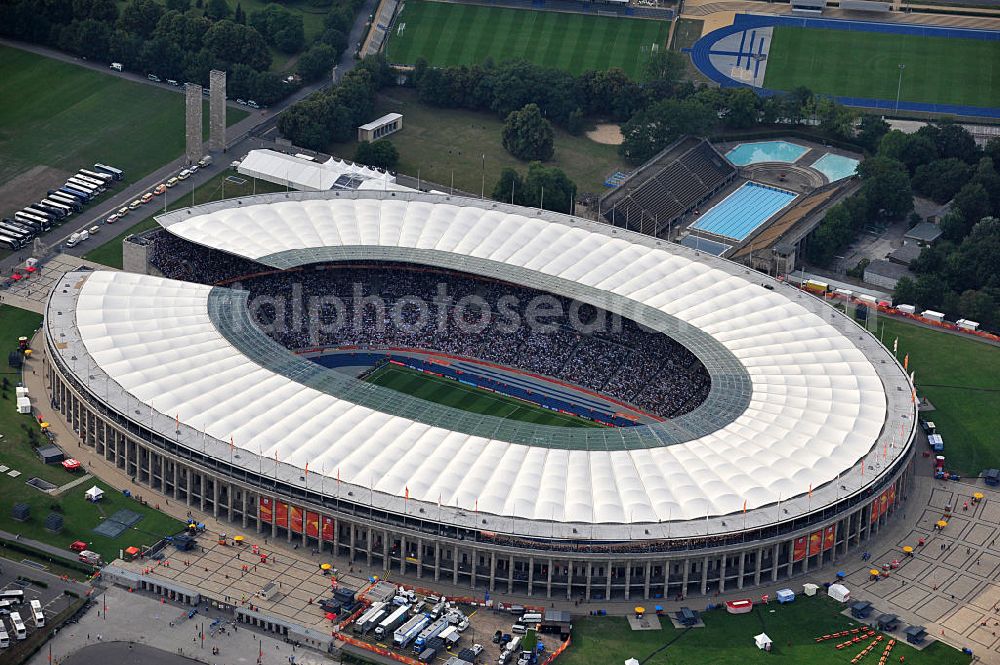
738 430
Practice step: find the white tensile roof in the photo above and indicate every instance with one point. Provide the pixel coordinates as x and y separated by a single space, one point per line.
303 174
818 405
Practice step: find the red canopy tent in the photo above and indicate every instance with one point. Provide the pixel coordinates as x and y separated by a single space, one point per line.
16 276
30 269
71 464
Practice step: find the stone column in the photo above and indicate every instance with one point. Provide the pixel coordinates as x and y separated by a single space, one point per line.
216 110
192 124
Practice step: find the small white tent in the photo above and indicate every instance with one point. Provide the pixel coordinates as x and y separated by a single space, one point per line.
95 493
839 592
809 589
632 661
762 641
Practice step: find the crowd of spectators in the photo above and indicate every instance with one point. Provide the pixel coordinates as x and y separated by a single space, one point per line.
395 306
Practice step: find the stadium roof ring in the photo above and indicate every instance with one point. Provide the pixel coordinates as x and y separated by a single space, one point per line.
815 398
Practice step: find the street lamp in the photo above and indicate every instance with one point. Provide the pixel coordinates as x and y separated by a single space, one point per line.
899 86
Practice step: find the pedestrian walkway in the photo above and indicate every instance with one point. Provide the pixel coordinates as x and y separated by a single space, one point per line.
70 485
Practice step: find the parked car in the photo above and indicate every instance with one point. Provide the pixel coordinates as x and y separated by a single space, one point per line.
184 175
135 204
153 77
171 182
241 102
111 219
122 211
147 197
160 189
95 229
252 104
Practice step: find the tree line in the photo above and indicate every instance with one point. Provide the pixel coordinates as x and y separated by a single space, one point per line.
184 40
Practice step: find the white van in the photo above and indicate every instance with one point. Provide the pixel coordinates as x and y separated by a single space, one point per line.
117 66
77 238
4 637
37 615
530 618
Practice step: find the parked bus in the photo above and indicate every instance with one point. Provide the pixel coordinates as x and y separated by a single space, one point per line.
117 174
74 194
106 178
7 242
36 614
56 212
36 209
83 194
16 232
15 596
96 182
85 186
39 223
4 637
20 632
58 205
367 615
392 621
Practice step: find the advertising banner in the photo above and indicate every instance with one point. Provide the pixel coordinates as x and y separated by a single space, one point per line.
266 511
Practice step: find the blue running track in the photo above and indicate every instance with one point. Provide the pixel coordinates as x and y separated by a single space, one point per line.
703 49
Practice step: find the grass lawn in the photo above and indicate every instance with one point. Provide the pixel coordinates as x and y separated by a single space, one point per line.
110 253
937 69
961 378
436 143
475 400
727 639
68 117
686 32
448 33
16 452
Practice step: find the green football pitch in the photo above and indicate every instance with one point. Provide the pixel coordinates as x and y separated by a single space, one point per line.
467 398
937 70
446 33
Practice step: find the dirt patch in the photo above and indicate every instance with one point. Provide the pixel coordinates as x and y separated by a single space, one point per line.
30 187
607 134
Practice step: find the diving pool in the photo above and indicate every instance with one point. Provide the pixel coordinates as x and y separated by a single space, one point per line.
740 213
766 151
836 167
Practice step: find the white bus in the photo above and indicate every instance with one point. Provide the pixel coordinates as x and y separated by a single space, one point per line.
13 231
15 596
36 614
4 637
96 182
9 242
117 174
37 222
58 205
83 185
66 199
20 632
106 178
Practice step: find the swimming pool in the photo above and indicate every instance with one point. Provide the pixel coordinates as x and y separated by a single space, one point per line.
836 167
766 151
740 213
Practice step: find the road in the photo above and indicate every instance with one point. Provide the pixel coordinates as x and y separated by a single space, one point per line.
240 139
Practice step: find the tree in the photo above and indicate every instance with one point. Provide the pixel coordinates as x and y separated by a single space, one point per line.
992 150
381 154
178 5
664 66
237 43
905 292
978 306
941 179
240 17
652 130
930 291
140 17
886 186
549 188
279 27
99 10
742 108
972 202
955 141
94 39
871 131
527 135
509 188
217 9
317 62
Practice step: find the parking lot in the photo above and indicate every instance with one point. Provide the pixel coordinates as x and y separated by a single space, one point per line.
37 585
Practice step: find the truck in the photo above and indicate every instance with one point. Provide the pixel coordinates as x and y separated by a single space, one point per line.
392 621
366 616
78 237
93 558
410 630
429 633
936 442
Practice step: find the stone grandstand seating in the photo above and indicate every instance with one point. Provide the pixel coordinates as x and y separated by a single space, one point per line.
668 186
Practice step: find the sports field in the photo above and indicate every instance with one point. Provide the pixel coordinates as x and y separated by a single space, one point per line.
467 398
59 117
936 70
446 33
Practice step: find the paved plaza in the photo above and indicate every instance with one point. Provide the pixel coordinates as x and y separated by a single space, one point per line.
31 293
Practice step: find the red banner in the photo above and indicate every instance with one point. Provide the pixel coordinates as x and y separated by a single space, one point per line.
312 525
875 513
799 549
884 503
829 538
265 512
281 514
327 529
815 543
892 494
295 519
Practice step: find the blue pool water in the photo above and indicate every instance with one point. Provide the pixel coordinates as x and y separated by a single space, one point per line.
836 167
766 151
744 210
